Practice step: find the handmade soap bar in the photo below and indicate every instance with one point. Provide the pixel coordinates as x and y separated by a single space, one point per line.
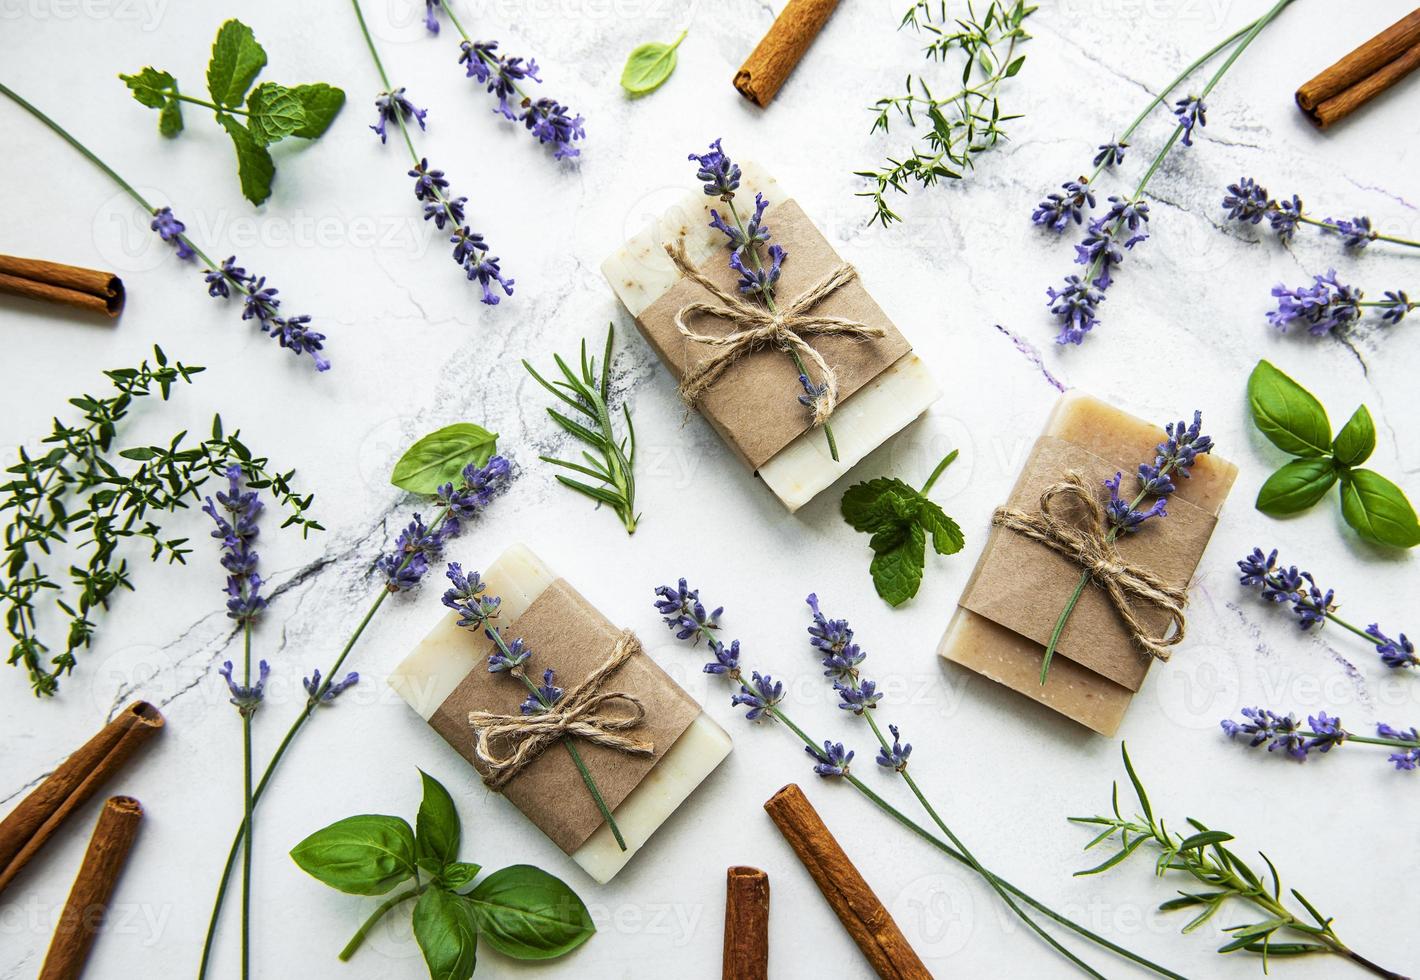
881 398
1018 588
441 665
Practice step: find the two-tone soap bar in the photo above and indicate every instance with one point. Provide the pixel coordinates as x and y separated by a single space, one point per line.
450 661
641 273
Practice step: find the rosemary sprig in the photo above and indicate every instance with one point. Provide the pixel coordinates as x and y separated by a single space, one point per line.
1225 877
964 123
616 456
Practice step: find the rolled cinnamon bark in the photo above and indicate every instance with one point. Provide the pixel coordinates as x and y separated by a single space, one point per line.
39 815
83 914
67 285
746 955
779 51
1364 73
865 918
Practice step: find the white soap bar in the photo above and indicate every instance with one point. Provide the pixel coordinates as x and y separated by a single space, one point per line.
640 273
444 658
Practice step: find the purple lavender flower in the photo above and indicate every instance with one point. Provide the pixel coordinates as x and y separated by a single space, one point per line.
1314 610
1326 732
502 75
218 279
332 691
758 279
548 120
812 392
235 513
1131 213
1058 210
261 302
1100 250
833 638
1395 305
476 56
487 271
1408 758
428 183
832 760
1285 218
1184 445
1263 726
170 229
1326 306
1357 232
857 696
465 596
719 174
1110 154
896 758
759 695
1394 653
1247 201
467 244
1124 518
1257 568
246 698
517 654
480 485
547 695
1075 308
681 610
1190 111
431 19
394 107
727 658
755 233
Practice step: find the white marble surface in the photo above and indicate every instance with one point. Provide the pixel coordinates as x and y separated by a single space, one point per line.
342 239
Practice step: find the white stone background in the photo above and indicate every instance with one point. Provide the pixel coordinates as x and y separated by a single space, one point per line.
412 349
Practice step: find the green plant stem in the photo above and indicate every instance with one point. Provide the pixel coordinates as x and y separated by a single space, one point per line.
247 823
753 253
203 102
1375 236
380 912
946 461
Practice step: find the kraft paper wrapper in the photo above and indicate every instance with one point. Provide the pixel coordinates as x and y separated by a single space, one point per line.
1023 585
755 406
566 633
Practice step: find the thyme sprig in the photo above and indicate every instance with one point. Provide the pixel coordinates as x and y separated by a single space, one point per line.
1225 878
76 493
963 123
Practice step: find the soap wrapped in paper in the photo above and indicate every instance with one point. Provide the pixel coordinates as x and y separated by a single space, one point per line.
1015 595
447 677
754 405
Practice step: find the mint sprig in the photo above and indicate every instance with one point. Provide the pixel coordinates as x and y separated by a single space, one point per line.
900 519
272 112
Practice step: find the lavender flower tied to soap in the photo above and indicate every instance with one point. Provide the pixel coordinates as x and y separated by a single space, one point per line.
1322 733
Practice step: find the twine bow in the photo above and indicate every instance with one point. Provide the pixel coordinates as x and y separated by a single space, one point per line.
577 715
784 328
1087 544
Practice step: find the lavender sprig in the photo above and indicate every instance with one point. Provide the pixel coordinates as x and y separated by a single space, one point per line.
1285 584
1322 733
1329 306
470 251
468 596
720 177
1248 201
1174 457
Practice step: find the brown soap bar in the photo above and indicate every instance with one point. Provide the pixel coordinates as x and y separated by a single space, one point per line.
1018 588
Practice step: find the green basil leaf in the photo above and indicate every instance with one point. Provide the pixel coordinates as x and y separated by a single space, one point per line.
440 457
236 61
275 113
447 934
528 914
1296 486
255 168
321 102
1356 440
459 874
897 571
363 855
649 65
436 828
157 90
947 538
1378 509
1287 414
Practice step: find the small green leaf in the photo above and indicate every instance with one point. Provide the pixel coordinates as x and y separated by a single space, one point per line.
868 506
441 456
649 65
436 828
947 538
276 113
321 103
528 914
1015 66
236 61
1296 486
255 168
459 874
447 933
1138 786
1356 440
1287 414
157 90
170 118
897 571
1205 839
1378 509
362 855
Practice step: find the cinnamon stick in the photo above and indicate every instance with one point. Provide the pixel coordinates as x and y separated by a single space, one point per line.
39 815
83 913
746 955
779 51
865 918
67 285
1364 73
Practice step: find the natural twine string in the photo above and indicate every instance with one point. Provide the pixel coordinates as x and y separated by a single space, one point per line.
1087 544
576 715
758 328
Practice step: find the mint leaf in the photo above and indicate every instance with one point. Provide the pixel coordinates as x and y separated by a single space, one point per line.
897 571
867 506
899 519
1378 509
440 457
649 65
236 61
255 168
275 113
447 934
363 855
1296 486
1356 441
157 90
947 538
321 102
527 914
436 829
1287 414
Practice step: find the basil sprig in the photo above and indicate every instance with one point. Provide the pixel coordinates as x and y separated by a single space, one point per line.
1294 421
440 457
520 911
